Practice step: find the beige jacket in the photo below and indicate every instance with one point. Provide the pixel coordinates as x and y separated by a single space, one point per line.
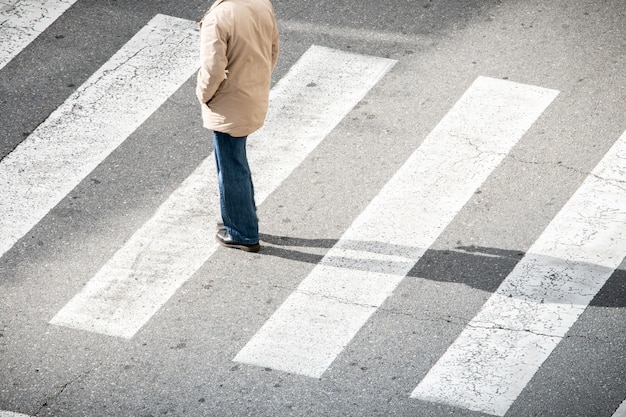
238 51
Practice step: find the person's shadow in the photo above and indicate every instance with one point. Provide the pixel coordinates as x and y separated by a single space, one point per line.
479 267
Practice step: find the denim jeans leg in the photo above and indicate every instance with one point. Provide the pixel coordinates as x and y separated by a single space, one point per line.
236 189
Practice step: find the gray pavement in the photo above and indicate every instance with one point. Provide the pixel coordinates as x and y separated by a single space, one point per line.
181 362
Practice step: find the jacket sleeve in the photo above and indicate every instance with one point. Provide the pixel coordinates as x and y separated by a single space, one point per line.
213 61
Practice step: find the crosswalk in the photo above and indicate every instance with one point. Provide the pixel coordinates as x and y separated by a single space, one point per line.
23 21
491 362
493 359
174 243
93 122
380 248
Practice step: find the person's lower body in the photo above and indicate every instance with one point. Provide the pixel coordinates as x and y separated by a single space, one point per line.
237 205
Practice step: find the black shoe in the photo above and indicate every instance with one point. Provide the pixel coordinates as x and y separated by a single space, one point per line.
224 239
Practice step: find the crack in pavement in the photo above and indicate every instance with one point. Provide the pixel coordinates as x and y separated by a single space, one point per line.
52 399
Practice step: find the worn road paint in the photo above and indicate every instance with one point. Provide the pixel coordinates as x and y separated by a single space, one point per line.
305 106
345 32
92 122
22 21
499 351
11 414
320 318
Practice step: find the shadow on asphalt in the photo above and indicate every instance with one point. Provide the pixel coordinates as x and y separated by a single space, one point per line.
478 267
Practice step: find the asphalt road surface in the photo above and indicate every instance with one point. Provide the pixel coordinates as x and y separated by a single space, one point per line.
442 200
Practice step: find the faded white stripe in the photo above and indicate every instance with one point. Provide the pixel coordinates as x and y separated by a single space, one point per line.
92 122
22 21
345 32
305 106
330 306
500 350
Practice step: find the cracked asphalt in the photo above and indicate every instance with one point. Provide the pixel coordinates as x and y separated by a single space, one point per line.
180 363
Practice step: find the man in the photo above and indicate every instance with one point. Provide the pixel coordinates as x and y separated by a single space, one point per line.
238 51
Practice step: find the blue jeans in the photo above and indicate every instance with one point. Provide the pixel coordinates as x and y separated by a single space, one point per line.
236 190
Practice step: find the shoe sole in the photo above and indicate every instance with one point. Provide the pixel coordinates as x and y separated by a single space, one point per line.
246 248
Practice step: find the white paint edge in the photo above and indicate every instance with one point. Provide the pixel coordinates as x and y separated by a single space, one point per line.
621 411
22 21
168 249
501 348
93 122
329 307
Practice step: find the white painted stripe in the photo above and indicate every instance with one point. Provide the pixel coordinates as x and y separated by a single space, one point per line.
305 106
621 411
330 306
92 122
500 350
22 21
11 414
